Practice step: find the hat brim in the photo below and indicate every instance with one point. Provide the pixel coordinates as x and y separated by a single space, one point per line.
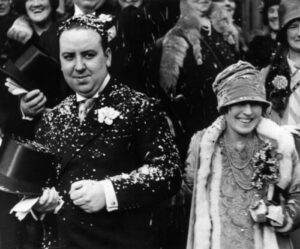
19 187
282 32
246 99
9 69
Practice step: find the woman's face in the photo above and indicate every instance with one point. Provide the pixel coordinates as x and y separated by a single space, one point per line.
293 35
126 3
4 7
242 118
201 6
38 11
273 18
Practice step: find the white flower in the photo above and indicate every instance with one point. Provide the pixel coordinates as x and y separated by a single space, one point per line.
104 18
280 82
65 110
107 115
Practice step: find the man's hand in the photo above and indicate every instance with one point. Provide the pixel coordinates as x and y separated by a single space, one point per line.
88 195
33 103
21 30
48 201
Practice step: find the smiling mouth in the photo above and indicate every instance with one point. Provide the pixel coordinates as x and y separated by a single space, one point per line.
245 121
80 77
37 11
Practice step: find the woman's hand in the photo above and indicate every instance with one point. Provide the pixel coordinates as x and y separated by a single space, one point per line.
48 201
88 195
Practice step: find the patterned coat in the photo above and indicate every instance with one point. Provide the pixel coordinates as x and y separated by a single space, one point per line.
136 152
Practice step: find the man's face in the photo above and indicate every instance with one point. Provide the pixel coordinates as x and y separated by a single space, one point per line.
89 6
38 11
83 61
201 6
126 3
293 35
273 18
228 5
4 7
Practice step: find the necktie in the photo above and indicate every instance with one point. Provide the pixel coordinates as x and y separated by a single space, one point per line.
84 107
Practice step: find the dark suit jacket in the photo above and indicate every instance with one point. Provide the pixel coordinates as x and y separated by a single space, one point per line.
136 153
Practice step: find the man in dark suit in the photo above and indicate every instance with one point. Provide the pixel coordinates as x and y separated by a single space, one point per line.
116 156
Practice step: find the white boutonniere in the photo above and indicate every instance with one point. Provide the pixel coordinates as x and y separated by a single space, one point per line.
105 18
107 115
65 110
280 82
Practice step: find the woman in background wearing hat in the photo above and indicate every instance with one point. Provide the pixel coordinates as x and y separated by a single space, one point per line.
262 48
235 164
283 75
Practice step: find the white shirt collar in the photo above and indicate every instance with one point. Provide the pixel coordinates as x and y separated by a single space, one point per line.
79 12
80 98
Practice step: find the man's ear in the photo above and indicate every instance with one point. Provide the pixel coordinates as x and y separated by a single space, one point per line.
107 54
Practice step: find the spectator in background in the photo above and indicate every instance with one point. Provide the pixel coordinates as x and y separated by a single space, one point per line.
37 17
263 47
7 17
194 51
140 24
230 7
283 75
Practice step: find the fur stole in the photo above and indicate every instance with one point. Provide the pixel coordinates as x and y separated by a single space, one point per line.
205 210
187 33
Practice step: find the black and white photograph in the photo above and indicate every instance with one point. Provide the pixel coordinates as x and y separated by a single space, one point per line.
149 124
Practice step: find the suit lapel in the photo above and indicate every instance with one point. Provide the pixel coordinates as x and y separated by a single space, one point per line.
91 127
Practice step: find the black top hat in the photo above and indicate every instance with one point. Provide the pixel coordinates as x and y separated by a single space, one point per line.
32 69
24 167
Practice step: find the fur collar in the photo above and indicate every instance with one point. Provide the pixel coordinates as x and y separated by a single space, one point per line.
207 213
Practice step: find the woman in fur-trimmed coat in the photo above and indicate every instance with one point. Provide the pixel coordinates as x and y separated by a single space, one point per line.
194 51
234 164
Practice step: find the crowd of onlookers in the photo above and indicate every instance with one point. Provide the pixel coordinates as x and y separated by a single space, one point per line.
171 50
168 49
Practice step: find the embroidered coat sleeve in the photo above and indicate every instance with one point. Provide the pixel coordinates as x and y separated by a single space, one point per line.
158 176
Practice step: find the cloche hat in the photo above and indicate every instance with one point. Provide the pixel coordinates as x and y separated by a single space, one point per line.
239 82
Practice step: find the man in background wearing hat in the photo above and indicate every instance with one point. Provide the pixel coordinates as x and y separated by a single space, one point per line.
283 75
116 156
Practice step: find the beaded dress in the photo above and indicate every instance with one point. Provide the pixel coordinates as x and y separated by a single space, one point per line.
237 194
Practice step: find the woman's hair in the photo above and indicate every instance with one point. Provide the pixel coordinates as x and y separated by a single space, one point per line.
19 6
